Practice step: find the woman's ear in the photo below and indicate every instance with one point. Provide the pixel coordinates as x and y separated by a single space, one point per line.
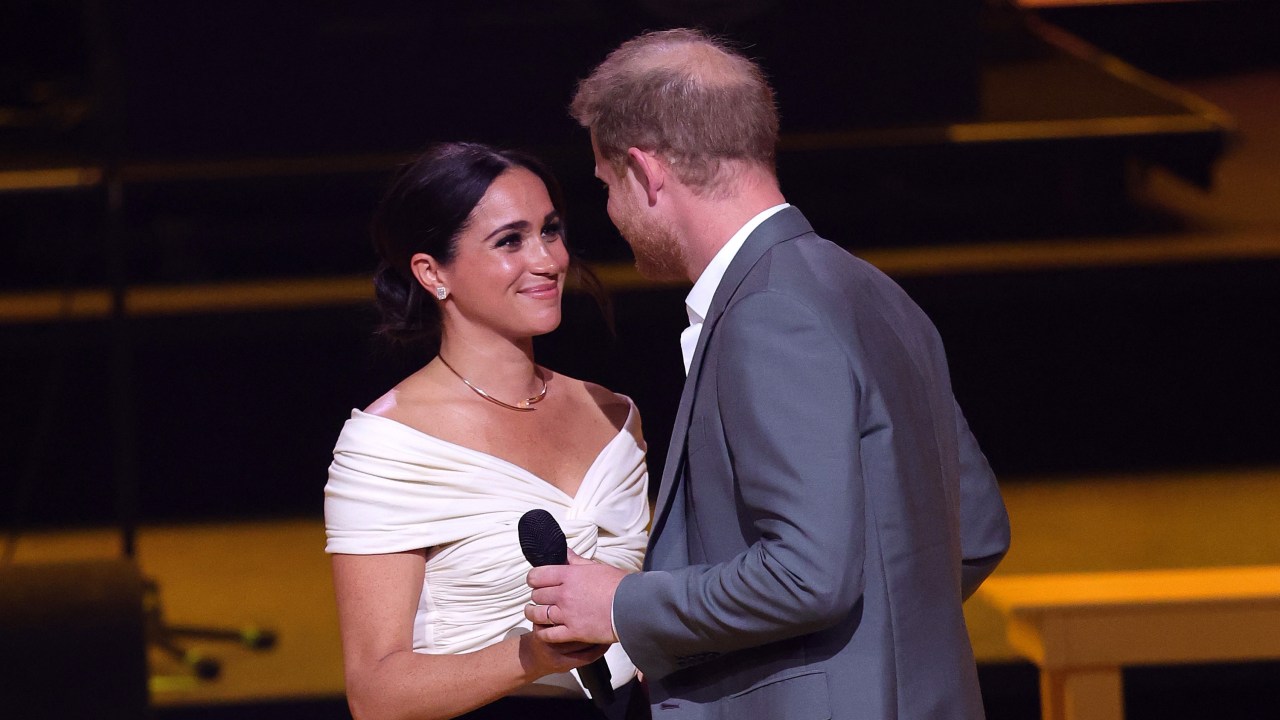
426 271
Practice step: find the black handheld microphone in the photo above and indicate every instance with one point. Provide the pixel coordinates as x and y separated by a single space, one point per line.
543 543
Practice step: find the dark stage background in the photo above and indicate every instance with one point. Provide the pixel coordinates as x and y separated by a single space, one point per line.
251 140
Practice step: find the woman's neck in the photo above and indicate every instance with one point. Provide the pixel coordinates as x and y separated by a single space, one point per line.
503 368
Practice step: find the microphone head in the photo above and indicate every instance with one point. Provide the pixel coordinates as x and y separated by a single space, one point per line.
542 540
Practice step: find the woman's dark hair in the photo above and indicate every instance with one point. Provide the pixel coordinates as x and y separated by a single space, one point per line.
424 210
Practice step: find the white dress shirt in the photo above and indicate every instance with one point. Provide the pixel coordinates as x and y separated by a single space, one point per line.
698 302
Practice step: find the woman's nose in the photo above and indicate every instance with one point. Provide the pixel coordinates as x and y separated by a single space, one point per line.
545 260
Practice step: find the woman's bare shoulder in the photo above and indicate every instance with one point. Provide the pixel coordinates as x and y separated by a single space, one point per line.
617 408
408 394
419 402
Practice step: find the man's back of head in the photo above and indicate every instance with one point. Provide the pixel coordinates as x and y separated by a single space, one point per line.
702 106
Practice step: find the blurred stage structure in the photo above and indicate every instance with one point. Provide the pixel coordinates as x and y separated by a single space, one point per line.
992 159
1083 629
908 114
247 147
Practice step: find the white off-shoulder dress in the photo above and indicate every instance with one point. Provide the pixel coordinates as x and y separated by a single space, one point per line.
393 488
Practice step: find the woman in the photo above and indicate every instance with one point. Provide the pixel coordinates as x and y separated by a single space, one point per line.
428 483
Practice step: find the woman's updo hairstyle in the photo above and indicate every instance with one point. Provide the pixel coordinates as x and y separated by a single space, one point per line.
424 210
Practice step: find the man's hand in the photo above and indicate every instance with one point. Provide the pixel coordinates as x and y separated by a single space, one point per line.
574 602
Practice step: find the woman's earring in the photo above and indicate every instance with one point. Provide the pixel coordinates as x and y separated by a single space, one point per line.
442 292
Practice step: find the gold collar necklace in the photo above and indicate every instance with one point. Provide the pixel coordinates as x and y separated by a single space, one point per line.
522 406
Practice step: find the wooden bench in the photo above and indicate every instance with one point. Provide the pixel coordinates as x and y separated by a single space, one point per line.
1081 628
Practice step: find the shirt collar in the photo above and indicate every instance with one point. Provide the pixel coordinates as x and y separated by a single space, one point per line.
698 302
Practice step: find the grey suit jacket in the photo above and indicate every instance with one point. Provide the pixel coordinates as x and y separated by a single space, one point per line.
824 509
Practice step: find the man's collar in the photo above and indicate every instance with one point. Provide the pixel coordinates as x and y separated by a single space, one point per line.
698 301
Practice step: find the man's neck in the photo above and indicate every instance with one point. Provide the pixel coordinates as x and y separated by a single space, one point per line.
709 223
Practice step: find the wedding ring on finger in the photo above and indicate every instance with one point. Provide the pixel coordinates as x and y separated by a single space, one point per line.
550 622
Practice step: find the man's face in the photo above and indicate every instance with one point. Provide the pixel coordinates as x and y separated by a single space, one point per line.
658 252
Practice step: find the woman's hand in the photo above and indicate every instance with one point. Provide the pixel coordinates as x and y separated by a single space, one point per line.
541 658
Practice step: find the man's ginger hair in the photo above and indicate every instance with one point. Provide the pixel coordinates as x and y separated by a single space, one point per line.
687 97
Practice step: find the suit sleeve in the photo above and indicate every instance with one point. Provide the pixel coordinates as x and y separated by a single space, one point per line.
787 400
984 521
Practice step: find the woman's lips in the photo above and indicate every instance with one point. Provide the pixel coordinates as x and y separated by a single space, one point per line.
546 290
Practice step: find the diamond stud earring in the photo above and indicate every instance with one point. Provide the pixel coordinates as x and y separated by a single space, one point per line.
442 292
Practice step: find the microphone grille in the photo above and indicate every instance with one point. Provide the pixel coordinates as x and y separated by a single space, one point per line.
541 539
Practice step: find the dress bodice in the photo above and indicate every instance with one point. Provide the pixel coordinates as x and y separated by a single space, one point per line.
393 488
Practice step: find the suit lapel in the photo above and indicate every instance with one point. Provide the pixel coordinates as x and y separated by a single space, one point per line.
783 225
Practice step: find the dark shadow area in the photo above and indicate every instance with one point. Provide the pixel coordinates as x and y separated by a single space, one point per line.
324 709
1179 39
1235 691
1242 691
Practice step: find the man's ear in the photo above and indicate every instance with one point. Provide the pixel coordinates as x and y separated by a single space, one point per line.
426 271
649 171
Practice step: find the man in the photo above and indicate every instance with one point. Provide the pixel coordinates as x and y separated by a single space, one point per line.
824 509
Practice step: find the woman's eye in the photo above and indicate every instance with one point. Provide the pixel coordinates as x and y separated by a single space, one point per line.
509 241
552 230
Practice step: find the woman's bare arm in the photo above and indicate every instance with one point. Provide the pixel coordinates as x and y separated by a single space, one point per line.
377 600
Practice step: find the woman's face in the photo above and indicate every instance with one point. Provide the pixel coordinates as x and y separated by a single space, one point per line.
508 273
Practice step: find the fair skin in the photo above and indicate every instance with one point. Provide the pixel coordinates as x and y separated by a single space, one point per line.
505 284
646 199
648 195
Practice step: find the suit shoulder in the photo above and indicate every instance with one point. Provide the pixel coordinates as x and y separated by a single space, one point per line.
812 266
851 294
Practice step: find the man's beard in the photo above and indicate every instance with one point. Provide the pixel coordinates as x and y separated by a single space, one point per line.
658 252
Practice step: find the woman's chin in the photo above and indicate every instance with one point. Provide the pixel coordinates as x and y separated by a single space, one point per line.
547 328
542 325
